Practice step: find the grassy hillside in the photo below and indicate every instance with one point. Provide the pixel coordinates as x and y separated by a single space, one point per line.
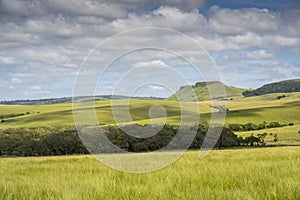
286 86
201 91
252 109
264 173
265 108
287 135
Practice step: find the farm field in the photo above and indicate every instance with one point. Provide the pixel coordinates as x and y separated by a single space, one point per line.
262 173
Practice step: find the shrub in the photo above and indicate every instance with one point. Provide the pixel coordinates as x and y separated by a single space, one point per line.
261 126
281 97
273 125
235 127
249 127
252 140
276 138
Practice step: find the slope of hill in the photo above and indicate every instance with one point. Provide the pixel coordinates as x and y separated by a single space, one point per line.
200 89
252 109
277 87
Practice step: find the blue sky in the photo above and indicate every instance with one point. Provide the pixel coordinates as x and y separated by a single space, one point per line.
44 43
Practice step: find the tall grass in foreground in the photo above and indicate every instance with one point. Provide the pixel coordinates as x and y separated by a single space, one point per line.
264 173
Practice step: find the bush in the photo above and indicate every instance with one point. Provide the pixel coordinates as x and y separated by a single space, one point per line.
273 125
249 127
235 127
281 97
228 139
252 140
261 126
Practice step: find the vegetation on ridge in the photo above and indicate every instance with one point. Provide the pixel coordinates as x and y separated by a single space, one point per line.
286 86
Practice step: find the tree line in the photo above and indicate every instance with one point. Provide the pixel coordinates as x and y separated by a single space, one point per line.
4 116
64 140
253 127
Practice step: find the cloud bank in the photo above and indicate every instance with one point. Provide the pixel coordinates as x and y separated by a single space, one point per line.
43 42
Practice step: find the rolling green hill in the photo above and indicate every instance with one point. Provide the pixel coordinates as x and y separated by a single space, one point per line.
242 110
286 86
200 89
252 109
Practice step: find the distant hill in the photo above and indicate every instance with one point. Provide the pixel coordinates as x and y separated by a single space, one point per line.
69 99
185 93
277 87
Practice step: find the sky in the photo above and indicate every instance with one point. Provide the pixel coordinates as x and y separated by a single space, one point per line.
144 48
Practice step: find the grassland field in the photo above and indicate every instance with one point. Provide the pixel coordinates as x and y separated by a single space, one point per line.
250 109
262 173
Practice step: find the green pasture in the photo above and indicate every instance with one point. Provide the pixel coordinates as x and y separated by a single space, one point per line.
262 173
288 135
242 110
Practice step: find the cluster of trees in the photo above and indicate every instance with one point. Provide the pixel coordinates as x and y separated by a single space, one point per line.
167 134
259 140
252 127
278 87
13 115
40 141
64 140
